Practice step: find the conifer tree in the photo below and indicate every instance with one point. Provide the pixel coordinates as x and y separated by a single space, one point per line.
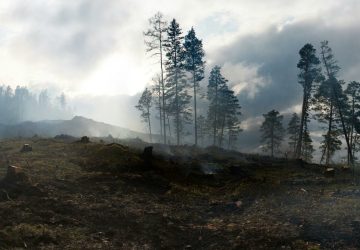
334 100
307 149
234 129
325 114
216 83
224 109
353 93
293 132
309 73
144 106
272 131
194 64
176 84
229 112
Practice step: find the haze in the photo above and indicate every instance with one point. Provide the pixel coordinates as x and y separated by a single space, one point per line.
94 50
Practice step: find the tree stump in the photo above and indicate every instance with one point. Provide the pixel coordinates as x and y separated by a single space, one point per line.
15 174
84 139
345 168
148 152
26 148
147 155
329 172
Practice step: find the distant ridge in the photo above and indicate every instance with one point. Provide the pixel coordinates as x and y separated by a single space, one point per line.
78 126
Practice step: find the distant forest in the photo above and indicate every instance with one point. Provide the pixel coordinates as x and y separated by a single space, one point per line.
20 104
173 97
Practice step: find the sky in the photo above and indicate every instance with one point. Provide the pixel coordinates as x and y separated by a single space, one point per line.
94 50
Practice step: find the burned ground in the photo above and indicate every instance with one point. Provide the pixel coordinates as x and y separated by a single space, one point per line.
98 196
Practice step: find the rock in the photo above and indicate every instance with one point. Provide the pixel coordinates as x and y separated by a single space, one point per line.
85 139
329 172
26 148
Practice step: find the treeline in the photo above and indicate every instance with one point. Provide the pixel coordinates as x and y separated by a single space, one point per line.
175 91
327 100
20 104
174 95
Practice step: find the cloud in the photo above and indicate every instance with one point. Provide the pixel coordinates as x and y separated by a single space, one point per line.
244 78
69 38
95 48
275 54
262 68
63 42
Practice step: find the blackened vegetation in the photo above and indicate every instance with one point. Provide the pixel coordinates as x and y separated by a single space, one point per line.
65 137
98 195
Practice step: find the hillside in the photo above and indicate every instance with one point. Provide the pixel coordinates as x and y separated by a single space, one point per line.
109 196
78 126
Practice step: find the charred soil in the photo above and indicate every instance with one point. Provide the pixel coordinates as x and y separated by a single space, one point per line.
98 196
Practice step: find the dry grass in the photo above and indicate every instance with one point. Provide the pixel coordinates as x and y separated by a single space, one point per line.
94 196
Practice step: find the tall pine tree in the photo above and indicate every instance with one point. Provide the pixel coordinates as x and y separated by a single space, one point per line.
177 94
331 90
194 64
309 72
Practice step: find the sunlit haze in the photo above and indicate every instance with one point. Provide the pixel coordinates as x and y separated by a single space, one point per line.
95 47
94 51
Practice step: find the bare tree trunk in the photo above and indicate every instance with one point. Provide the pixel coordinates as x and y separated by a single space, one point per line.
272 141
195 108
229 142
303 112
329 134
162 82
160 111
216 111
323 153
148 110
352 128
336 97
168 119
222 131
177 112
343 126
